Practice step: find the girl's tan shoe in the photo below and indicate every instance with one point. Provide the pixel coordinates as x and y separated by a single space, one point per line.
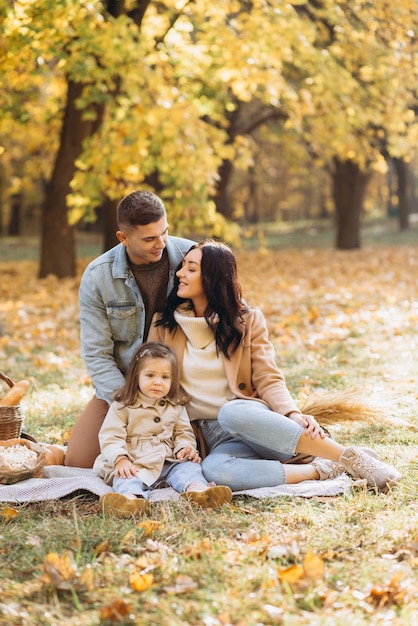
209 498
121 506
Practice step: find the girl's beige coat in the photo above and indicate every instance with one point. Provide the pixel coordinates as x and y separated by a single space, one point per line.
148 434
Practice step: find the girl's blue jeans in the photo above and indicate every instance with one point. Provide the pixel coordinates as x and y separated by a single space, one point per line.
248 445
177 475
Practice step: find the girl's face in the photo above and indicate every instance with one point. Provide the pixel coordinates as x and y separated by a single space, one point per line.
155 378
190 277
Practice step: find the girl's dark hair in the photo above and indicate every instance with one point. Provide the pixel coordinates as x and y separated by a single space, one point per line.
224 294
151 350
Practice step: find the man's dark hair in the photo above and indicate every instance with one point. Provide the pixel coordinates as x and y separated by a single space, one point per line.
139 208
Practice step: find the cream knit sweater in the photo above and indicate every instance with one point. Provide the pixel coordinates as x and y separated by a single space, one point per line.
203 376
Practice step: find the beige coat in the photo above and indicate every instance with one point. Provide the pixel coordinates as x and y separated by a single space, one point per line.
148 434
251 372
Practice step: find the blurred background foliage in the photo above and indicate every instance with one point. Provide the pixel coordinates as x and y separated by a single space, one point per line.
238 114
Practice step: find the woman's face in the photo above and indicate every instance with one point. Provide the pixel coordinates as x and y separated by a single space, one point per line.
190 277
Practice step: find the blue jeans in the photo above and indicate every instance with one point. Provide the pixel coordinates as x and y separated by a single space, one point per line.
177 475
248 444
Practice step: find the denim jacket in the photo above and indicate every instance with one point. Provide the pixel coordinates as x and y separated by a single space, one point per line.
112 314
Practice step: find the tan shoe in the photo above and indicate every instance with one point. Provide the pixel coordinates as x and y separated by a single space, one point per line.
209 498
327 469
121 506
360 464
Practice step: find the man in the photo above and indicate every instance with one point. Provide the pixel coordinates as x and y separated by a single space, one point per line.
119 293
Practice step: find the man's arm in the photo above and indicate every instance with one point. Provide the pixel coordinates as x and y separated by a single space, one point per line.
97 345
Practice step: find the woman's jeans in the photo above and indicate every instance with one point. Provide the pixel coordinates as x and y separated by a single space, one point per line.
248 444
177 475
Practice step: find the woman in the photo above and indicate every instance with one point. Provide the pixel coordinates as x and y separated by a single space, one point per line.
251 426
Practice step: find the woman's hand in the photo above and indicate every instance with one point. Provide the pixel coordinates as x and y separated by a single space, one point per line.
124 468
188 454
309 423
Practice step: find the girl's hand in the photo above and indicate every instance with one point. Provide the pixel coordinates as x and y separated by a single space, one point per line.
309 423
188 454
124 468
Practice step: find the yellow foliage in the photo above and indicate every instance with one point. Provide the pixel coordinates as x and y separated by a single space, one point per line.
59 570
166 106
8 513
140 582
150 526
311 571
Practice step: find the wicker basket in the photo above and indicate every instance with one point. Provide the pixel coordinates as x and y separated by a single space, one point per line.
11 417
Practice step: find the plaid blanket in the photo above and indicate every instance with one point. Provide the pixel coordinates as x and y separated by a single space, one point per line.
59 481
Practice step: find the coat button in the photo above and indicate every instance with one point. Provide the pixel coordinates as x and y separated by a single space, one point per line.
157 419
161 402
242 386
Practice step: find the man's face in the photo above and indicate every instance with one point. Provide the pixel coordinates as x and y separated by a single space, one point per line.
145 244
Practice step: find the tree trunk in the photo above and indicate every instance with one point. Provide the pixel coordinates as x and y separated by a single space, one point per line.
58 241
15 214
222 201
392 210
349 187
109 223
404 208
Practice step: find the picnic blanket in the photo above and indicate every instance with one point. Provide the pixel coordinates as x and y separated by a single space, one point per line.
59 481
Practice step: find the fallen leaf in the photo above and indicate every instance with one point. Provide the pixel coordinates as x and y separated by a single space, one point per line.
312 570
8 513
102 547
150 526
115 611
291 574
313 566
196 551
140 582
392 593
86 580
59 571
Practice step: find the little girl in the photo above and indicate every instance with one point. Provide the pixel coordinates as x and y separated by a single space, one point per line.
146 439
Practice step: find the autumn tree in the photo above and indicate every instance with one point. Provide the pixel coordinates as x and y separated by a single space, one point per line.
360 96
168 95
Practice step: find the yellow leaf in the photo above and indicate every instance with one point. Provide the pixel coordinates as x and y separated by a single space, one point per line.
86 580
291 574
59 571
102 547
8 513
313 566
140 582
150 526
127 538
